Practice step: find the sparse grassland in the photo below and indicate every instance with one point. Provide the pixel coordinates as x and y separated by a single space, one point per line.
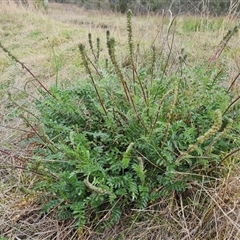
148 149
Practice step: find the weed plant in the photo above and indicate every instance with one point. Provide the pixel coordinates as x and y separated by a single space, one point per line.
129 135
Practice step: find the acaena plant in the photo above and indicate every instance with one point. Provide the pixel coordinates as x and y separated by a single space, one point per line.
127 136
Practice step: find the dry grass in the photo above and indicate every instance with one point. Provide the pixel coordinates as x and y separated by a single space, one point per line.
46 43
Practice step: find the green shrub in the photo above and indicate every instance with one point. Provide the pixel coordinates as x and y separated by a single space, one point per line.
125 137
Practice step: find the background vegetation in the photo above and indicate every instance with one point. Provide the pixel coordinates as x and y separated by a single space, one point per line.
176 6
116 128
